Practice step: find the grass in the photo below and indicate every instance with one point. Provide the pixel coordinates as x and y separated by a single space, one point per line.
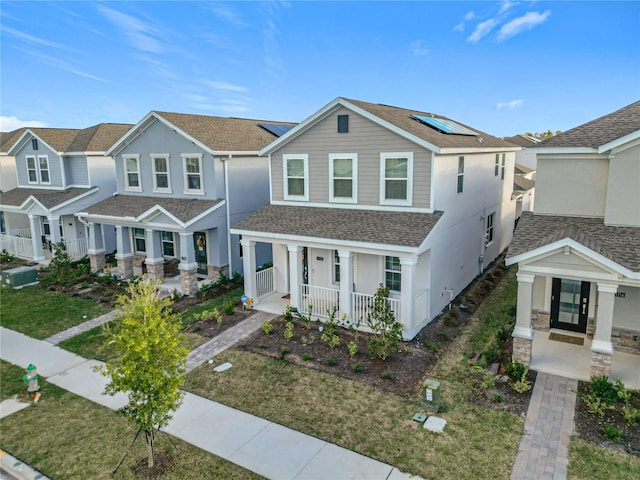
591 462
68 437
11 383
39 313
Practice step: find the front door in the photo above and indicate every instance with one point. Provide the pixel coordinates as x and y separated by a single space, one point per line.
200 245
305 265
569 304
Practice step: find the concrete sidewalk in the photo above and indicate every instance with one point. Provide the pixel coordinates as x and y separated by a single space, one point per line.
263 447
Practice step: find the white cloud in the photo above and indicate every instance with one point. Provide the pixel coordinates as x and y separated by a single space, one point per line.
57 62
506 5
8 124
522 24
36 40
512 104
417 49
140 34
230 87
468 17
223 12
482 29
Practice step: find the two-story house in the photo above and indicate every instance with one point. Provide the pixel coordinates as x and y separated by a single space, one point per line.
365 194
181 180
578 253
8 176
59 172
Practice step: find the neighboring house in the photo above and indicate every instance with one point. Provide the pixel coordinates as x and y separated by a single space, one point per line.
59 172
578 254
526 156
364 194
182 179
8 176
524 189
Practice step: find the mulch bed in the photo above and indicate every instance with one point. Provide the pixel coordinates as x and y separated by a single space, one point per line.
211 328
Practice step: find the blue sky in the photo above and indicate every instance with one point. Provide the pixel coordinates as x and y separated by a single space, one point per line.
501 67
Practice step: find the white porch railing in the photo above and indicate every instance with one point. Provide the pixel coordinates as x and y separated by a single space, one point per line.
19 246
20 232
323 300
77 248
264 282
362 306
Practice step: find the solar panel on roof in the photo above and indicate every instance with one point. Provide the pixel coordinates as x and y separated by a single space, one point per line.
445 126
277 130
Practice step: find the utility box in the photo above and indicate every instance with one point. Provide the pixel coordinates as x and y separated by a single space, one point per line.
17 277
431 398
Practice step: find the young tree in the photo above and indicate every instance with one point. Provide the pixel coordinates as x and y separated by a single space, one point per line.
382 321
151 360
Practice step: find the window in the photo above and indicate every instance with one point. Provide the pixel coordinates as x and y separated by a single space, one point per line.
336 267
46 228
392 273
296 175
396 187
502 171
161 173
168 244
43 165
32 173
139 242
460 174
34 144
132 173
497 167
343 177
488 236
343 123
193 173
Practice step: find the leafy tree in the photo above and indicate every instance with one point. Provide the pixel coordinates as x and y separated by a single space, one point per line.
383 323
151 360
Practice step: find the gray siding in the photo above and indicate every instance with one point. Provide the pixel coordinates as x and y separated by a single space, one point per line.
55 170
365 138
76 171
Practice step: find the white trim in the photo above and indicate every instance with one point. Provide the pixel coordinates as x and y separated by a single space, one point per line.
35 168
166 157
133 239
377 208
598 346
21 142
285 186
619 141
271 182
173 243
432 186
408 201
63 173
48 169
522 332
128 187
563 150
354 177
187 190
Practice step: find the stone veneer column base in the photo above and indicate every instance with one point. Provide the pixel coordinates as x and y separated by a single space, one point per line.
125 267
97 261
189 281
600 364
522 351
541 321
213 273
155 271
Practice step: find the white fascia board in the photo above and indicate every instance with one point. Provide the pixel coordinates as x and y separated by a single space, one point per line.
75 199
353 206
619 141
26 205
154 212
122 141
562 150
235 154
22 140
480 149
96 217
205 213
83 154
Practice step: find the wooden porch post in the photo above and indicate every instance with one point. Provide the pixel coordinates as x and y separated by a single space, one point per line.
295 274
249 268
346 282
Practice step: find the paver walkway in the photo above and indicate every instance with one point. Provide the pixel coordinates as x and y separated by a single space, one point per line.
226 339
544 448
83 327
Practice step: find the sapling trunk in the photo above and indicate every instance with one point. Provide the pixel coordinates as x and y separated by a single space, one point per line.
150 437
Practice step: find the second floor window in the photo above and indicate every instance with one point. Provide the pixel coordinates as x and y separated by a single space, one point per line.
193 173
502 171
139 242
343 171
460 174
296 175
132 173
392 273
497 167
38 169
161 173
31 170
43 168
395 186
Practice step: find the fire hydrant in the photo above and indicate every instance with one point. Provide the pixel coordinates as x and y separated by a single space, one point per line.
31 379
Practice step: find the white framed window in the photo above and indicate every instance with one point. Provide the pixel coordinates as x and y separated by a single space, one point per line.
343 177
336 267
168 244
132 173
460 174
193 173
139 240
488 236
43 169
497 166
161 179
296 176
392 273
396 184
32 172
502 171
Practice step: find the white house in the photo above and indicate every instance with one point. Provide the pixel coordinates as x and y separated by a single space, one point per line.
364 194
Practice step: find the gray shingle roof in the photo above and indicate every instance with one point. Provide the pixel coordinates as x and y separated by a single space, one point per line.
7 139
522 141
619 244
401 117
522 170
98 138
184 209
522 184
599 131
404 229
223 133
48 198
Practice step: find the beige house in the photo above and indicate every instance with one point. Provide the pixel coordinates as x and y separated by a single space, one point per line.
578 253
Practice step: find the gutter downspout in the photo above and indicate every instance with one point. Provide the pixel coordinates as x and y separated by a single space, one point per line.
226 195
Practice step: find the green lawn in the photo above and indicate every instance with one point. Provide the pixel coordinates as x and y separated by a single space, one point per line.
591 462
11 382
39 313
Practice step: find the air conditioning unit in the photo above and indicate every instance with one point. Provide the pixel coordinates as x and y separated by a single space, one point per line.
20 276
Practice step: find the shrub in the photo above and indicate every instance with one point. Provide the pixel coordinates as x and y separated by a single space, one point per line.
493 352
595 405
357 368
306 357
207 315
487 380
630 414
498 398
263 345
330 361
514 370
267 327
523 384
228 306
288 330
605 390
283 351
383 323
353 348
6 256
387 374
612 433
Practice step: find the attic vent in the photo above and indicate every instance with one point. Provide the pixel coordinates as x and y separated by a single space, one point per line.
34 144
275 129
444 126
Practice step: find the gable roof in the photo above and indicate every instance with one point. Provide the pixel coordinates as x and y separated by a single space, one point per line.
47 198
522 140
520 169
522 184
98 138
7 139
58 139
400 121
601 132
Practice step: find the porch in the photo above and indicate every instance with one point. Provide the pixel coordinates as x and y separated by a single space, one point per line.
22 246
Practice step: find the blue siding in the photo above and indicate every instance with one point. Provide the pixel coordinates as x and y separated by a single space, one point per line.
76 171
55 170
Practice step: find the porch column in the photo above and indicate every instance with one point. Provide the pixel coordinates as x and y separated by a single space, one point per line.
346 282
188 266
155 260
601 347
407 281
96 247
295 274
249 269
36 237
522 333
124 256
54 227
